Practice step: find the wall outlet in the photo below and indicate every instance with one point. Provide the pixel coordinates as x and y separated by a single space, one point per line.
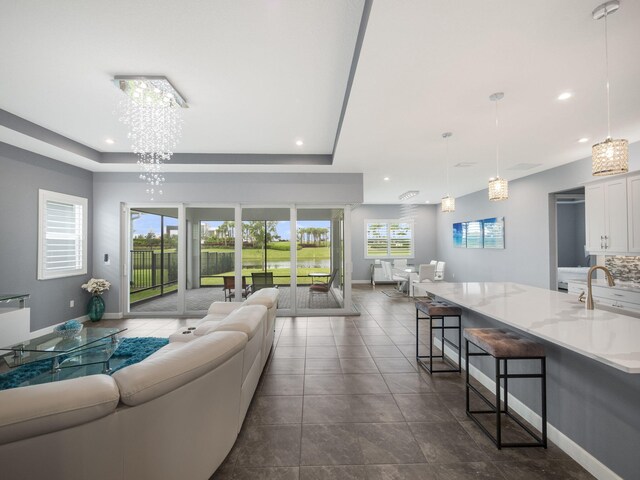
71 303
453 275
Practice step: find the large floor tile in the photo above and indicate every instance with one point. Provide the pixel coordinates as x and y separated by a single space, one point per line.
320 341
333 472
350 409
385 351
469 471
544 470
446 442
317 366
353 351
289 352
407 383
282 385
269 473
330 445
394 365
377 340
419 471
324 351
272 410
388 443
358 365
423 408
286 366
344 384
268 446
348 340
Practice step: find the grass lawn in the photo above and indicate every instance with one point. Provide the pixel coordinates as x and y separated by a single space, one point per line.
279 252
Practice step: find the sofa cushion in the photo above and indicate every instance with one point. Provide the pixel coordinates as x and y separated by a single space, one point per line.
39 409
206 325
246 319
222 309
158 375
265 296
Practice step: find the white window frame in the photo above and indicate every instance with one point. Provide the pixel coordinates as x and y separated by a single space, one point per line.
389 222
45 196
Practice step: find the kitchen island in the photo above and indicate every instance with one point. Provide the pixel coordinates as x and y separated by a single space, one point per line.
593 358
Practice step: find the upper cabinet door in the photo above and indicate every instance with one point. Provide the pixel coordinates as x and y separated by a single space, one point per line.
595 227
633 212
616 237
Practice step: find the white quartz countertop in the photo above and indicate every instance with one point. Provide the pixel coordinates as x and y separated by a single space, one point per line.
607 337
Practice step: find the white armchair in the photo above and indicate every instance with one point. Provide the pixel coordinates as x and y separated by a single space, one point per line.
426 274
439 275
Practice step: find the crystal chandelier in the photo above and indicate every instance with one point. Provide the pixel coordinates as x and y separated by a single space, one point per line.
448 202
498 187
612 155
152 109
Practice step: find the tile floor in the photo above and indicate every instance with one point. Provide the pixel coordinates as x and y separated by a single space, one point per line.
342 398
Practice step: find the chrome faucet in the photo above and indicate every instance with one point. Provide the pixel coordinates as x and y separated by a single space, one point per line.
589 278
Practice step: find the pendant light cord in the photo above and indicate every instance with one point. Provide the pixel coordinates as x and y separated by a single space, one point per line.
447 162
497 144
606 62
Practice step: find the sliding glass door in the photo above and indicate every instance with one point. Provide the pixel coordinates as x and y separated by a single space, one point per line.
153 260
180 258
266 250
210 257
320 258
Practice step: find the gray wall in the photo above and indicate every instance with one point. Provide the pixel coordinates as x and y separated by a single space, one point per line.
22 173
527 234
425 234
571 239
267 189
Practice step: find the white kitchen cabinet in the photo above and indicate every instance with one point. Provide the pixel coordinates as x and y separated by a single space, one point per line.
633 212
606 216
623 298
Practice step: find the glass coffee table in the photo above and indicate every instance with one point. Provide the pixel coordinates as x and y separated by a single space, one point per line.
91 347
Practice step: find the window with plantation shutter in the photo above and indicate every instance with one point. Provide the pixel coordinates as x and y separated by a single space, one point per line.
389 239
62 235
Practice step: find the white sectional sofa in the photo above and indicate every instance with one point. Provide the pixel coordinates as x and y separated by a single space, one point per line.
174 415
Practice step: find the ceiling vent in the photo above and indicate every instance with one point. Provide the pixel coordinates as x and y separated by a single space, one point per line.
408 194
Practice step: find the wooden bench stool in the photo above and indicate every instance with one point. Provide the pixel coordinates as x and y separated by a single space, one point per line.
505 346
435 311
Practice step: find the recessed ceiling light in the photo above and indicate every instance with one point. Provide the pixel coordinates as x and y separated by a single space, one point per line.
583 140
426 201
110 141
299 143
565 96
386 179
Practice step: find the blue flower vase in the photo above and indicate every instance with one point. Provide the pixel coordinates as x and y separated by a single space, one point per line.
95 308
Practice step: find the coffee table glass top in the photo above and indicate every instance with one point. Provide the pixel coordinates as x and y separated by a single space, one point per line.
53 345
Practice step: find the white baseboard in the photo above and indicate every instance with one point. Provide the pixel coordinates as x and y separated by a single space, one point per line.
594 466
113 316
360 281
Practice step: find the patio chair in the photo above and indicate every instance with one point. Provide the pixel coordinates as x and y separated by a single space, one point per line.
322 287
261 280
229 288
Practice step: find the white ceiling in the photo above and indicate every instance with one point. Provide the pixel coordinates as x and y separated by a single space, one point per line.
260 74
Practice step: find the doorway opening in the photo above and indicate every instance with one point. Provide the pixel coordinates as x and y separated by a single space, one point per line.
571 258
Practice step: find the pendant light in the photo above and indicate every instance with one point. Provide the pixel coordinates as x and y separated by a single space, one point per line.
498 187
611 156
448 202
